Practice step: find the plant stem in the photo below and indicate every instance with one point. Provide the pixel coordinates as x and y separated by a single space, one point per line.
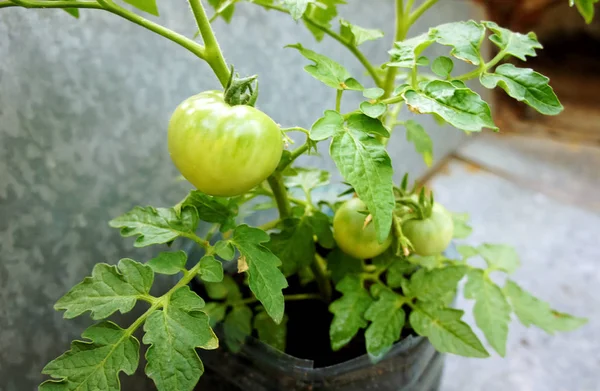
280 194
401 30
270 225
297 129
421 10
213 55
352 48
299 151
187 43
482 68
319 269
54 4
338 100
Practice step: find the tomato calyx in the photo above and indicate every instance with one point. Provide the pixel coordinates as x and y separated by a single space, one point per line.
241 91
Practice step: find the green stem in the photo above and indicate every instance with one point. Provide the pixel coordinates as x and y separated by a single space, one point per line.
319 269
482 68
298 151
270 225
280 194
203 243
213 54
352 48
54 4
187 43
400 34
421 10
338 100
297 129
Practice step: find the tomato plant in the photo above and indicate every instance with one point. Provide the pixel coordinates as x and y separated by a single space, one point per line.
396 275
223 150
353 233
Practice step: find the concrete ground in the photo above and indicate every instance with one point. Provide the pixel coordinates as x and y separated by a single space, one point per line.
541 197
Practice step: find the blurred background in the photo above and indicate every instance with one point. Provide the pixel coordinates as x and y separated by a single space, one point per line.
84 106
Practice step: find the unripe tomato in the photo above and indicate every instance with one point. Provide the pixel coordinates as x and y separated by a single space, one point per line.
223 150
432 235
350 234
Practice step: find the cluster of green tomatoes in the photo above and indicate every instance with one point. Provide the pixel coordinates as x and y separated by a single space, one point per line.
226 150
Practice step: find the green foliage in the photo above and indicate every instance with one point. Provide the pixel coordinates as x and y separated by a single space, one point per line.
348 311
269 332
237 326
224 8
168 262
321 12
109 289
533 311
434 285
357 35
148 6
156 225
457 104
387 319
491 310
210 270
500 257
586 8
98 361
328 71
265 279
173 335
446 332
294 245
464 37
416 134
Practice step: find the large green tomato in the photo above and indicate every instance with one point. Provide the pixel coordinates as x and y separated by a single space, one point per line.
223 150
432 235
350 234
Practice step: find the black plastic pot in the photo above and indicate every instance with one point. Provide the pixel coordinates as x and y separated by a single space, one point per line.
412 365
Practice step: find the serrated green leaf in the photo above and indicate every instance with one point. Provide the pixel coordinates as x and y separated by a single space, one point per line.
269 332
491 310
500 257
442 66
225 250
366 124
525 85
327 126
173 335
348 311
227 12
464 37
373 93
356 35
462 108
516 44
341 264
428 262
373 110
365 164
586 8
398 271
434 285
416 134
109 289
211 270
294 245
406 53
212 209
533 311
308 178
96 363
215 311
265 279
226 289
297 8
321 226
387 319
156 226
321 13
148 6
237 326
446 332
326 70
462 229
168 262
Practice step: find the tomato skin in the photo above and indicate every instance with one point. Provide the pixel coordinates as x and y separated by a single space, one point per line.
432 235
350 235
223 150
